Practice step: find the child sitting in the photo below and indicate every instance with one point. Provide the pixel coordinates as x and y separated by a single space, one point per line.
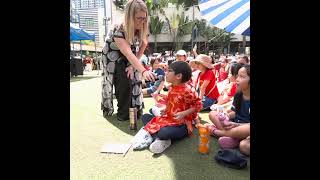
206 81
182 107
238 128
154 87
230 89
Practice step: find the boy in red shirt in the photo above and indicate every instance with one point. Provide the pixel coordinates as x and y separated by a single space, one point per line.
175 122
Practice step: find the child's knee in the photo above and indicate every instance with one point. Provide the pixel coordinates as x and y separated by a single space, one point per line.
146 118
164 134
169 133
245 147
212 115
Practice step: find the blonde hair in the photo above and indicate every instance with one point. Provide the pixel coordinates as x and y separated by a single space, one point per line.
133 7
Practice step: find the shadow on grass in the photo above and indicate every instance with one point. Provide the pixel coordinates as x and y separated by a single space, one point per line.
124 126
80 78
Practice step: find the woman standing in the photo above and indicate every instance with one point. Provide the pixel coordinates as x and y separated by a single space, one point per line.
121 65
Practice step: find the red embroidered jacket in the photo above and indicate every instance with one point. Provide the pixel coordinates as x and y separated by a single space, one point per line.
180 98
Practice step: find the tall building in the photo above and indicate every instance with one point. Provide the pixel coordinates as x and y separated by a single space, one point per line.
90 16
81 4
91 19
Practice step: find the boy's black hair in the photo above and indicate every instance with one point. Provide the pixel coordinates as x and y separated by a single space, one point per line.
183 68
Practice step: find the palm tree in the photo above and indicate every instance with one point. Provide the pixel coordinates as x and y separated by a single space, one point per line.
184 28
173 25
154 8
155 28
186 4
179 25
120 3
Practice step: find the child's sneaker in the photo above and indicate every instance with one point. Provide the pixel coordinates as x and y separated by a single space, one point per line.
228 142
158 146
142 140
142 144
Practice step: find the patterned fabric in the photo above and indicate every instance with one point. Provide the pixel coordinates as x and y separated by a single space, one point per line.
111 56
180 98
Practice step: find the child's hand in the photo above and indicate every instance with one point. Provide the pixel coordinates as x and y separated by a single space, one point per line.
162 112
197 125
180 115
231 125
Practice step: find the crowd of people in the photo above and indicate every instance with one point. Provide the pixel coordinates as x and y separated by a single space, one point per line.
219 84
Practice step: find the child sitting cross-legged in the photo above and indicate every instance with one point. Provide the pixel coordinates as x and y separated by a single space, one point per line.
234 125
175 121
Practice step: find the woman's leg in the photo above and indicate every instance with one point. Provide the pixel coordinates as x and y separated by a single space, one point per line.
122 90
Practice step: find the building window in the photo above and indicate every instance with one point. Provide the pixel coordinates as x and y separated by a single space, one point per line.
89 22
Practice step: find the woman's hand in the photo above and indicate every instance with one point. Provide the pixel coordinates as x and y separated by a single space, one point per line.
145 42
149 76
129 71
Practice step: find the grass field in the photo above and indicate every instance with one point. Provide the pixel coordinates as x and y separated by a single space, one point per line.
89 130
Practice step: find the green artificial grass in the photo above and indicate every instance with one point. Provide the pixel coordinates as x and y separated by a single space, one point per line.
89 131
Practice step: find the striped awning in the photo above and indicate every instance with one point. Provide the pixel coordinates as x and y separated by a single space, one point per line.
231 15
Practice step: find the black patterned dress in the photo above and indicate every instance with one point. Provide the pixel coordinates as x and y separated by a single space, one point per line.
128 92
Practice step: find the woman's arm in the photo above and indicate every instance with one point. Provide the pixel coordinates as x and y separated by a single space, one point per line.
135 62
142 48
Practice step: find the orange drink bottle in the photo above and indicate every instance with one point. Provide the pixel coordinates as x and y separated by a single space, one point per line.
203 139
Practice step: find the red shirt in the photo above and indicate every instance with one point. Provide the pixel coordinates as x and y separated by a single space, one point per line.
222 74
209 75
233 89
230 89
180 98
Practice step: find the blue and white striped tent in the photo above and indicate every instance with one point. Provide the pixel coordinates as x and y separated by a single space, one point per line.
231 15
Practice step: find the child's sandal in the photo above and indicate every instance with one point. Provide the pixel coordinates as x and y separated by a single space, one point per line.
212 128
